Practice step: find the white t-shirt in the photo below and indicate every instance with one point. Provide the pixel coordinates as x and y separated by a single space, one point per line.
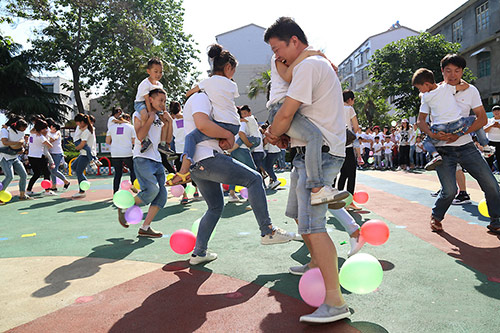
179 135
365 136
110 121
419 147
252 127
144 88
349 114
444 108
199 103
154 134
272 149
36 145
467 99
316 85
279 87
11 135
260 147
221 91
85 135
388 147
122 136
56 144
243 128
494 133
377 149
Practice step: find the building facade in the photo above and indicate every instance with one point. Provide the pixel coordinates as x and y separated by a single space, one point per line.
476 26
254 57
354 69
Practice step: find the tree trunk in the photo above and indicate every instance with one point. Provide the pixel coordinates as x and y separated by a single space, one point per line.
76 88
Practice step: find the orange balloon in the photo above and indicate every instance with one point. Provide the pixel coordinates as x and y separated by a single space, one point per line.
375 232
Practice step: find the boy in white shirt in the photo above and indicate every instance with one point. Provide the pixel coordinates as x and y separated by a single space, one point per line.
388 144
252 128
143 106
377 152
444 111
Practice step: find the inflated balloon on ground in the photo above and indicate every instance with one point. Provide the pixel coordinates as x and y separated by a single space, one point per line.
361 274
46 184
312 287
137 185
84 185
5 196
375 232
126 185
177 190
483 208
123 199
282 181
360 197
182 241
190 189
134 215
244 193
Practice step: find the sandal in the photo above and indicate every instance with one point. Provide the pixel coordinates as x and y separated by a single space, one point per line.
436 225
185 178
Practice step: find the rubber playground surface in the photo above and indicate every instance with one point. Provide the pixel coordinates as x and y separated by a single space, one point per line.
68 266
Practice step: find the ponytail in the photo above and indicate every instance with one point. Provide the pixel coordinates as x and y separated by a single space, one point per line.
220 57
85 118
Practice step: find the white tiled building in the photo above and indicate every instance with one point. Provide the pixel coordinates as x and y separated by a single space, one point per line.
254 57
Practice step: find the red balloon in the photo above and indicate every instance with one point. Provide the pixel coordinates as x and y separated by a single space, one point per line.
360 197
375 232
225 187
46 184
182 241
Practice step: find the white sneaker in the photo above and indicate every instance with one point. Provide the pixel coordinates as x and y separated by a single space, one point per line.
233 199
326 314
30 193
78 195
328 194
488 151
437 160
297 237
196 260
49 193
279 236
356 245
274 185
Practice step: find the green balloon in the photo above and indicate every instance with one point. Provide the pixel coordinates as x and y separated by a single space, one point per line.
196 226
84 185
190 189
123 199
348 200
361 274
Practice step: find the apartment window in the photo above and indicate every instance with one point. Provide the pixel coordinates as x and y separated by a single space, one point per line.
359 76
358 59
482 17
49 87
484 64
457 31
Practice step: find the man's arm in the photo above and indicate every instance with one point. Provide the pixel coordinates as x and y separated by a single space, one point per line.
108 139
142 126
244 138
284 117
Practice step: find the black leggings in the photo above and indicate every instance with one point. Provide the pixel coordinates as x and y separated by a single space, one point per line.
404 155
117 163
40 166
348 171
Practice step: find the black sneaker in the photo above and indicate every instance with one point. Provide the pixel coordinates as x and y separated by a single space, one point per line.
164 149
145 144
66 186
435 194
461 199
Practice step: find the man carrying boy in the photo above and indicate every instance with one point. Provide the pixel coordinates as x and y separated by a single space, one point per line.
461 150
316 90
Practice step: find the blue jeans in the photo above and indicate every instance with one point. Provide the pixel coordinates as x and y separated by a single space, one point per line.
55 172
79 165
255 141
86 148
151 177
388 160
421 159
8 168
244 156
378 160
312 219
281 159
258 158
303 129
196 136
269 161
458 127
412 154
469 157
9 151
209 174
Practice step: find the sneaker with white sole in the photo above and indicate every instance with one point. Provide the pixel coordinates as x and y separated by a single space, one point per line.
78 195
327 194
327 314
356 245
462 198
279 236
196 260
433 163
149 233
274 185
30 193
233 199
297 237
488 151
299 270
49 193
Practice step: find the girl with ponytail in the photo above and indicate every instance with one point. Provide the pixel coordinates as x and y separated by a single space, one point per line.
85 142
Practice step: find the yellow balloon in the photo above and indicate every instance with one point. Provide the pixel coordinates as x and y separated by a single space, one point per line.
282 181
170 176
5 196
238 188
483 208
137 185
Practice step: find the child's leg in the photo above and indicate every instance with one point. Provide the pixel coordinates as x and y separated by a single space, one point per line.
8 150
481 137
48 156
89 152
303 129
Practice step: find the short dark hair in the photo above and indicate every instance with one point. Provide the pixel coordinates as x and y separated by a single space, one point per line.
283 29
347 95
115 110
174 107
40 125
51 122
421 76
453 59
245 108
154 61
154 92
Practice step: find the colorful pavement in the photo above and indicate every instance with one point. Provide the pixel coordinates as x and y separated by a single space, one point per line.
68 266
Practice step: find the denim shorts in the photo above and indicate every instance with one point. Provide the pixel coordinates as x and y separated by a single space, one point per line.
138 106
151 177
312 219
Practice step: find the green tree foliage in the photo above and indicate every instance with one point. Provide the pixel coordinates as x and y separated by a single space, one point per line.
19 93
372 107
260 84
393 66
108 42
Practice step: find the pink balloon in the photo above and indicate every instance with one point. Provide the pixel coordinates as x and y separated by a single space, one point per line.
126 185
371 153
46 184
177 190
133 215
244 193
360 197
312 287
182 241
375 232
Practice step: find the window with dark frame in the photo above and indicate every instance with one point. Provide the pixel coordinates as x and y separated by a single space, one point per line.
457 31
483 64
482 17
